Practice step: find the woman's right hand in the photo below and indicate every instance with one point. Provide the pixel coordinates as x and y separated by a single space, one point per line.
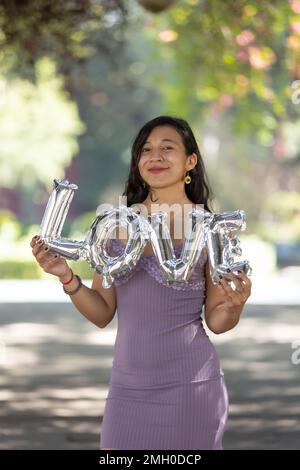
51 263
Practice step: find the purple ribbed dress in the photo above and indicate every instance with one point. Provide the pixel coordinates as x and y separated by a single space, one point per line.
166 389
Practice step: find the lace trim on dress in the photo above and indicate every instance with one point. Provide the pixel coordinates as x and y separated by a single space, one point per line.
150 264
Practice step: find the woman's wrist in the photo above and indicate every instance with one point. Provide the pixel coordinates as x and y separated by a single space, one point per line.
66 277
70 288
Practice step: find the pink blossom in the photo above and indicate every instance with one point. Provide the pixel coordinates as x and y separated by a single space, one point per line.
293 42
226 100
295 27
295 6
279 147
261 58
242 55
245 38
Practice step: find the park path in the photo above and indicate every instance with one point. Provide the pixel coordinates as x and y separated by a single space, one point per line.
55 367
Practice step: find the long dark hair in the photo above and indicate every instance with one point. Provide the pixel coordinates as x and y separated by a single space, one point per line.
198 190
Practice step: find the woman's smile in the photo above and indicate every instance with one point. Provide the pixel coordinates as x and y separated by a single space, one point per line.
157 169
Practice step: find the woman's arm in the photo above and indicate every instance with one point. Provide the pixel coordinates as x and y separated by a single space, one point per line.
97 304
223 305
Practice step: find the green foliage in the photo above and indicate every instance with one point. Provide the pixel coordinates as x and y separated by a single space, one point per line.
31 29
82 268
10 228
233 61
16 259
38 128
281 220
115 96
230 57
81 224
25 269
19 269
85 40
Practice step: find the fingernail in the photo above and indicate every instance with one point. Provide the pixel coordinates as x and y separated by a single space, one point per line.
46 248
40 242
220 277
36 237
239 271
228 270
55 256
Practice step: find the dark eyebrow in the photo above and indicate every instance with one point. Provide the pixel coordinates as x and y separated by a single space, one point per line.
163 140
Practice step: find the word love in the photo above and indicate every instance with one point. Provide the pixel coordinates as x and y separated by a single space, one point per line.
205 230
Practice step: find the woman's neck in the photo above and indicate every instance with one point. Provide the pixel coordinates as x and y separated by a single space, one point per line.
168 195
169 201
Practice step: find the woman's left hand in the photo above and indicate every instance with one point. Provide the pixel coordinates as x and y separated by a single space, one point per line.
236 297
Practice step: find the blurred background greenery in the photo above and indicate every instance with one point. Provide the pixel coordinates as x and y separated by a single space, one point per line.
78 80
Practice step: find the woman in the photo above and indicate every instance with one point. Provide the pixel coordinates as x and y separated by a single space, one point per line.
167 389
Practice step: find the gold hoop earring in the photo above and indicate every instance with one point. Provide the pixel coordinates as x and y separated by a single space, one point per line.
187 179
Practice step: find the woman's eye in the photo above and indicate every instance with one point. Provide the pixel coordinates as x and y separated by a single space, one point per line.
146 149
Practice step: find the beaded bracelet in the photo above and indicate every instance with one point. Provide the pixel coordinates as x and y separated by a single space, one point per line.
77 288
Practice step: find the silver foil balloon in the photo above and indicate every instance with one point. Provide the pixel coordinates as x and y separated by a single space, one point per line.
222 247
92 248
99 234
177 270
204 230
54 218
57 208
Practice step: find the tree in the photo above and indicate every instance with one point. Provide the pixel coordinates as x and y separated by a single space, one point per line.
39 126
65 31
98 66
237 58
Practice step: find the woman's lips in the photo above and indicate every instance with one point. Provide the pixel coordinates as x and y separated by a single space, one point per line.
158 170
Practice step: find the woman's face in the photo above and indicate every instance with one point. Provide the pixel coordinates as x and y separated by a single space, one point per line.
164 149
